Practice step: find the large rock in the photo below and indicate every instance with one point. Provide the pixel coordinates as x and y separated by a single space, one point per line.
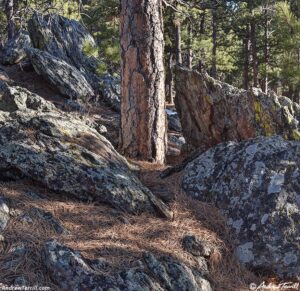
69 42
66 78
212 112
71 271
13 98
256 183
14 50
66 155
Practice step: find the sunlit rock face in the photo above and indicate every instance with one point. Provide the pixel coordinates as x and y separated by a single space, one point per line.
212 112
256 183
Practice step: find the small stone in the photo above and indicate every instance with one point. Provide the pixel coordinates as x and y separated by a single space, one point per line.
20 281
245 253
196 247
34 195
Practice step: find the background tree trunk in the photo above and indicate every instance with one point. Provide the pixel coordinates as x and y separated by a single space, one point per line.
266 49
143 118
246 55
190 48
178 42
9 10
254 53
214 39
169 80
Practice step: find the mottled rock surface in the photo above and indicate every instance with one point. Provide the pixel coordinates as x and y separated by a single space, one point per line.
13 98
256 183
66 155
66 78
14 49
73 272
212 112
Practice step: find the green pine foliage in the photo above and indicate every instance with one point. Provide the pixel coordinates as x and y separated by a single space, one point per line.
276 53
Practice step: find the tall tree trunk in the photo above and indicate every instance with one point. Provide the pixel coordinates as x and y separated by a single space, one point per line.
143 118
266 49
190 48
254 52
170 80
214 72
178 42
9 10
246 46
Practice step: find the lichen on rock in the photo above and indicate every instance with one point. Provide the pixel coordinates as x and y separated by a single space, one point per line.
256 184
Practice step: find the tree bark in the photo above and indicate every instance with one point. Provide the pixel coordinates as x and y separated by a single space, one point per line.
170 80
246 45
9 10
254 53
254 59
178 42
266 49
190 43
143 118
214 40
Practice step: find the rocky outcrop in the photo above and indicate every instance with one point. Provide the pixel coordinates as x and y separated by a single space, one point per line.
65 46
212 112
256 183
66 78
66 155
14 49
66 40
73 272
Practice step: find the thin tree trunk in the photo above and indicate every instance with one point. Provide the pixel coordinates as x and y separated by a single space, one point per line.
246 45
143 118
169 80
214 72
254 53
266 50
178 42
190 48
9 10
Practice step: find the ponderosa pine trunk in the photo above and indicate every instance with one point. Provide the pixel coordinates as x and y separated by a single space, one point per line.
143 118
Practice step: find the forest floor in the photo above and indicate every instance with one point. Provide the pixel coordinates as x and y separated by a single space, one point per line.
97 230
